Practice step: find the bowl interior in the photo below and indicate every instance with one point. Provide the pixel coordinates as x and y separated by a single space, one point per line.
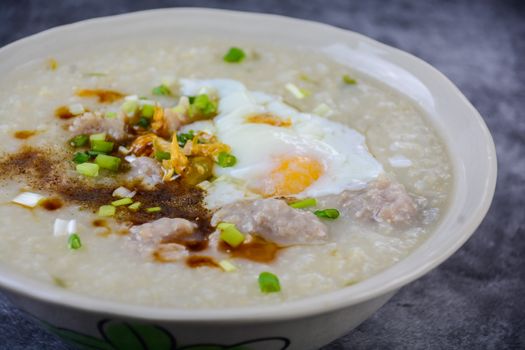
468 139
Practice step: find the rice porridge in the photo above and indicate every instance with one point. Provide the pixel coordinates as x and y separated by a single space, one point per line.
201 175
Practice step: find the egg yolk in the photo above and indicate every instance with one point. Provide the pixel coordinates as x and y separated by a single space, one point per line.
292 176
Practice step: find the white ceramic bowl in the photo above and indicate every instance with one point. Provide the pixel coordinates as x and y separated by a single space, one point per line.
304 324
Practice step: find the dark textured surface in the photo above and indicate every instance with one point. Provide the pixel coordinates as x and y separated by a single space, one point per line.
475 300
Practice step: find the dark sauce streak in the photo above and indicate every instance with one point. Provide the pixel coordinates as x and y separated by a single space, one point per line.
104 96
24 134
46 170
52 203
195 261
101 223
197 242
256 249
63 112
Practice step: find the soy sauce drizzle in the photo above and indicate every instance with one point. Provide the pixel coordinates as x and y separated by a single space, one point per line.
24 134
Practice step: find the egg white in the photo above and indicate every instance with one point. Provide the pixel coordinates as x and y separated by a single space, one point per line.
341 150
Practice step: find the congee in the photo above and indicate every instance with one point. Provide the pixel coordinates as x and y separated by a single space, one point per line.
201 175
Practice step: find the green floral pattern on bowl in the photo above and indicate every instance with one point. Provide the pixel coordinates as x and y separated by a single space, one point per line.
118 335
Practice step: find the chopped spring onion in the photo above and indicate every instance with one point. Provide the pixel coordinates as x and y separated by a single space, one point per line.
148 111
305 203
269 283
327 213
203 106
153 209
135 206
79 140
108 162
123 192
182 138
71 226
296 91
230 234
120 202
76 109
348 80
144 122
160 155
106 210
129 107
97 137
110 115
227 266
101 146
88 169
161 90
28 199
64 227
323 110
93 153
60 227
226 160
234 55
74 242
81 157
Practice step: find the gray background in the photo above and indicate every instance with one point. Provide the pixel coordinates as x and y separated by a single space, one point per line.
476 299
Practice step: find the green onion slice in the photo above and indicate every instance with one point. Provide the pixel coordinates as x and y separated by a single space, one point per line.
74 242
226 160
230 234
97 137
81 157
348 80
153 209
123 201
130 107
135 206
160 155
110 115
106 210
269 283
305 203
227 266
101 146
79 140
327 213
182 138
202 106
234 55
144 122
88 169
108 162
148 111
161 90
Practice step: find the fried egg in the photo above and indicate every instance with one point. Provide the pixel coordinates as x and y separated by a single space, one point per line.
280 151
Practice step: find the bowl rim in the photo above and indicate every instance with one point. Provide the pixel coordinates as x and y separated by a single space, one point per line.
308 306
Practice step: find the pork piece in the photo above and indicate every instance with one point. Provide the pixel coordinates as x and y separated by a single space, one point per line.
93 123
160 236
273 220
383 201
163 230
177 117
145 172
